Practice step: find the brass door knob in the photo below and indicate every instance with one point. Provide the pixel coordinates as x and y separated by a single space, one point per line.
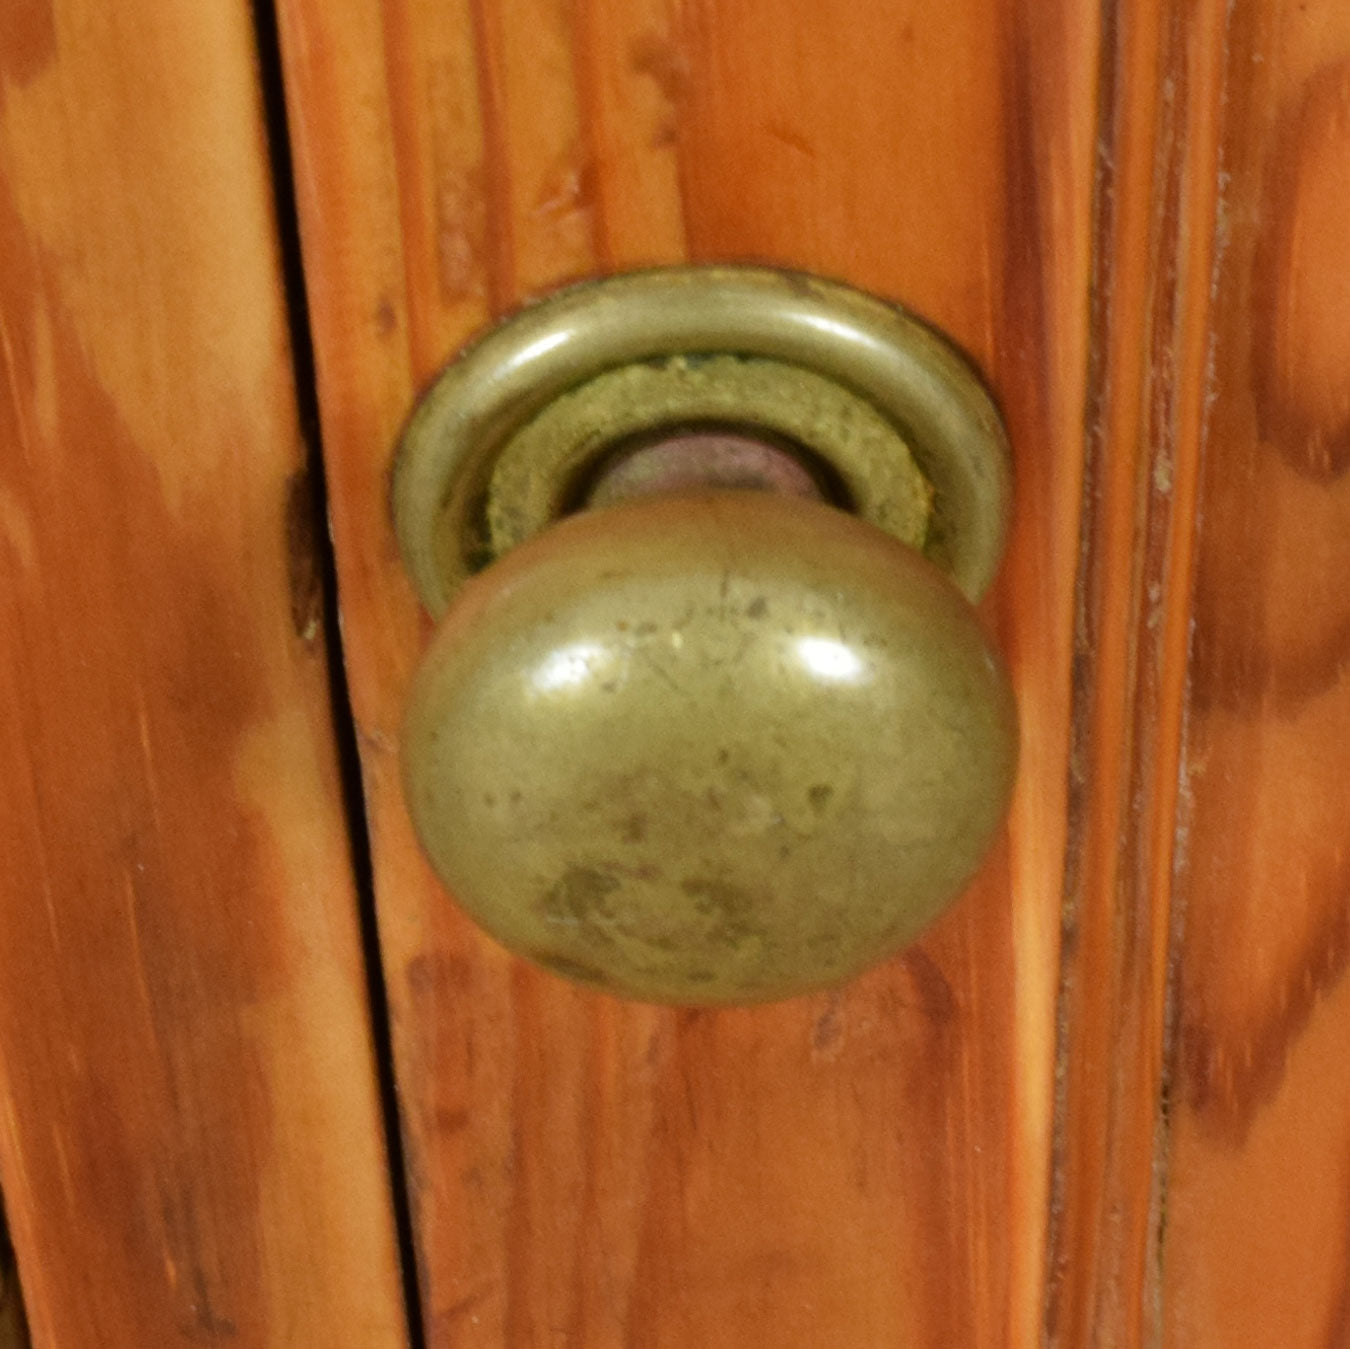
714 724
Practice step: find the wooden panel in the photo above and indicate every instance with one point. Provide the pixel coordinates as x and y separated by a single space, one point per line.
865 1168
1256 1248
190 1138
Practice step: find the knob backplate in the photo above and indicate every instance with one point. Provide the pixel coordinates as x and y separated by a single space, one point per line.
877 354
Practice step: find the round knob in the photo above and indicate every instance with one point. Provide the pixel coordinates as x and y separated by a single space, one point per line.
687 731
709 748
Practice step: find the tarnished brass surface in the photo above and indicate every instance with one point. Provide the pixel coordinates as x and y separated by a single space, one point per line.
713 746
709 748
535 475
913 379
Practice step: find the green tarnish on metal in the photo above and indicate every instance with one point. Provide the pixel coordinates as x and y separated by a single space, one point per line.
706 746
913 378
539 471
708 749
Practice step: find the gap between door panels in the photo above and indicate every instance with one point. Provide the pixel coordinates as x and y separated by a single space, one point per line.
13 1325
319 541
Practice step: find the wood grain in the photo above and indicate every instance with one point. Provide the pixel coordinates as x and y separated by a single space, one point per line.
865 1168
1154 235
190 1140
1256 1246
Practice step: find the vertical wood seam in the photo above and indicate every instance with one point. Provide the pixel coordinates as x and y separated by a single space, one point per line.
1118 881
290 268
1057 1266
1202 246
13 1324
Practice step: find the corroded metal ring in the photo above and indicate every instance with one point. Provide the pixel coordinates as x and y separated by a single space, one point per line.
540 469
915 379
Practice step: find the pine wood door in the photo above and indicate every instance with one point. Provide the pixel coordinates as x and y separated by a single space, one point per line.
191 1144
252 1060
